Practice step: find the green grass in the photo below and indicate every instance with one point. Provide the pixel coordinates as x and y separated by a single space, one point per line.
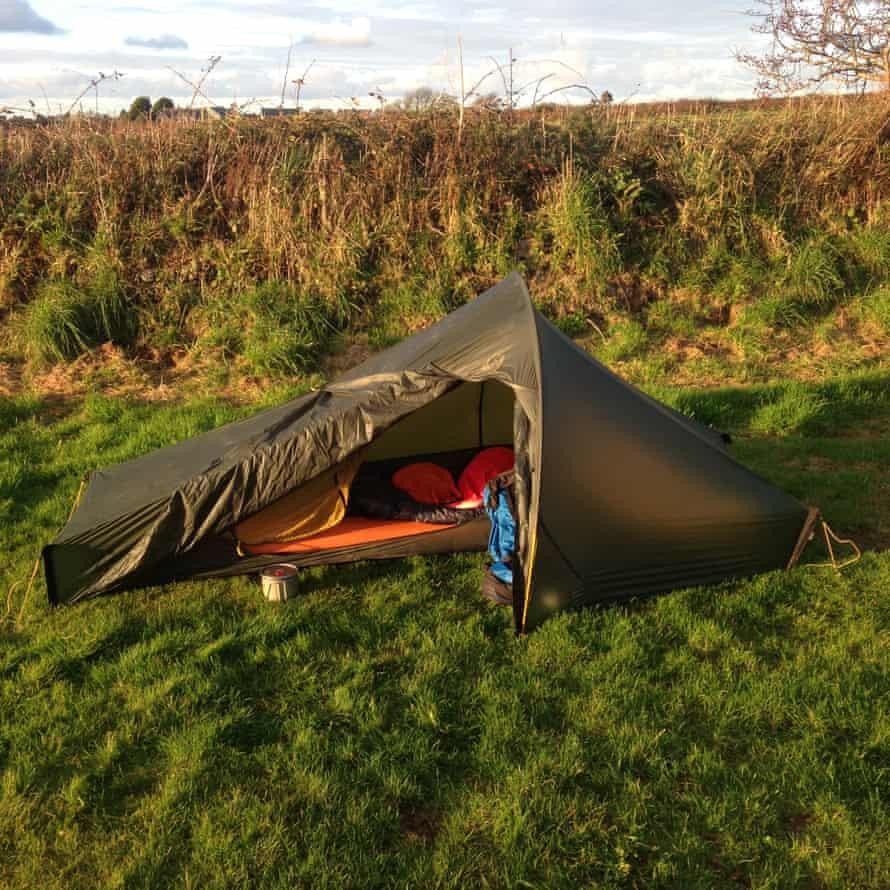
65 319
386 728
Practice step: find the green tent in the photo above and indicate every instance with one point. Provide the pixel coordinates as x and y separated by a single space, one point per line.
617 495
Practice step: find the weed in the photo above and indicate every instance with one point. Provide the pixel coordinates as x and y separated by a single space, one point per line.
280 330
877 306
770 312
56 324
672 318
582 241
812 276
866 250
405 307
362 216
626 339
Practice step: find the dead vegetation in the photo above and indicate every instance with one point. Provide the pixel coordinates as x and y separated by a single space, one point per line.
262 249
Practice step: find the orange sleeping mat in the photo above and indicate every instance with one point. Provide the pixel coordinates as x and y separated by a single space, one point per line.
349 532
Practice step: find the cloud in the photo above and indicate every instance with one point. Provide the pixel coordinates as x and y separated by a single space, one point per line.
645 49
339 33
165 41
18 15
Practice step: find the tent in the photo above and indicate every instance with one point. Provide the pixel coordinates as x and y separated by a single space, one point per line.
617 495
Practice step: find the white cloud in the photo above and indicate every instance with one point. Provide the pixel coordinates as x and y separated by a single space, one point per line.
339 33
487 15
164 41
19 16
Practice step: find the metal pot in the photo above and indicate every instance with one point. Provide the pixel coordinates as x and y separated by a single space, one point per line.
279 582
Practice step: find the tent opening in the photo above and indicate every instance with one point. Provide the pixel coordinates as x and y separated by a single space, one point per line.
360 501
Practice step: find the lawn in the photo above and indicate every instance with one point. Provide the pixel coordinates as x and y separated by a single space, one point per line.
387 729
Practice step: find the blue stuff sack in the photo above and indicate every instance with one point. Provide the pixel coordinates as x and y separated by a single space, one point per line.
502 538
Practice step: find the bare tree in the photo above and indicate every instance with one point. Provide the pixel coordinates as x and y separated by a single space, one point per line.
815 42
420 99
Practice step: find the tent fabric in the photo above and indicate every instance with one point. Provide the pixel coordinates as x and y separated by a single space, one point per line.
314 507
351 531
616 494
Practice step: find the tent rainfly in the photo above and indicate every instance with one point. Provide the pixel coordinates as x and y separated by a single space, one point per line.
617 495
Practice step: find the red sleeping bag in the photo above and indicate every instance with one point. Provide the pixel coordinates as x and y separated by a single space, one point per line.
426 483
429 483
484 466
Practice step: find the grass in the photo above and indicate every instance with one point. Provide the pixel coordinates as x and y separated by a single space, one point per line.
252 247
386 729
65 320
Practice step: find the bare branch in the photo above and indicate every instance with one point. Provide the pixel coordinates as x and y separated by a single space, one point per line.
198 86
101 77
500 71
569 86
472 90
290 52
815 42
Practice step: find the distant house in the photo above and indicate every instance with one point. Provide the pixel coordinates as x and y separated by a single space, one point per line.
203 113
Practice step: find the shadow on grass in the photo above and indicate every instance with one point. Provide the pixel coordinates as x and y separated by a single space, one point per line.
810 409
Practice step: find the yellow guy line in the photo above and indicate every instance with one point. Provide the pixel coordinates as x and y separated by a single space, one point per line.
834 564
36 569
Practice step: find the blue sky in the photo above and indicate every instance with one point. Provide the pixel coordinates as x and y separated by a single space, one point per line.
644 49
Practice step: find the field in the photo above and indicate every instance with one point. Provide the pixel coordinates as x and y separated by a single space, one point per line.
387 729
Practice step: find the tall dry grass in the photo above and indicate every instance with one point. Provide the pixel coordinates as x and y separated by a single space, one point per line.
263 240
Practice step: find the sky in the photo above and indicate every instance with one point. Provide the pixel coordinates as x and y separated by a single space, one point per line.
637 50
